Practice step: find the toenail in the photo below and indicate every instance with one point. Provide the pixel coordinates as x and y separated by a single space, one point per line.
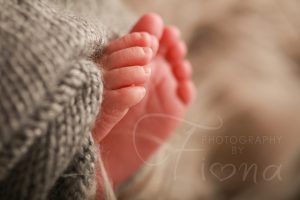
141 91
147 70
145 37
148 51
154 44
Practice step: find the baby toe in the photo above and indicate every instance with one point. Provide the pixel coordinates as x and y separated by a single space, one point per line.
182 70
140 39
186 91
176 51
129 57
170 35
126 76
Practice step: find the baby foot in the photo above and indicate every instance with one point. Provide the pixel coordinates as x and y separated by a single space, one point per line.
169 92
125 72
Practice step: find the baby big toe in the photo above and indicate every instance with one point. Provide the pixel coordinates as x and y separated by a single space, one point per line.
116 104
150 23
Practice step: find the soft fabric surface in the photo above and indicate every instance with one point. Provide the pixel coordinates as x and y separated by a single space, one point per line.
51 91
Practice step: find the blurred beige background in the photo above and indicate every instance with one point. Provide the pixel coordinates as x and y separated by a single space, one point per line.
246 63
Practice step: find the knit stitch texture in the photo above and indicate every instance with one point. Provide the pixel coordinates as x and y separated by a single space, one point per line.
50 91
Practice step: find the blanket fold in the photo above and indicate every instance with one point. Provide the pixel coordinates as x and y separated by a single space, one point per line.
50 91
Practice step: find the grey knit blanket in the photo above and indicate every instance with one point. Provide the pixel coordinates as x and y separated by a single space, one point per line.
50 94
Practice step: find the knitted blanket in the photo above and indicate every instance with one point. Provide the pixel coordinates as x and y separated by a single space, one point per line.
50 94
